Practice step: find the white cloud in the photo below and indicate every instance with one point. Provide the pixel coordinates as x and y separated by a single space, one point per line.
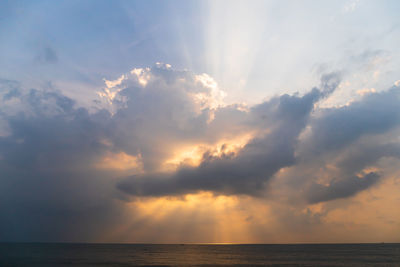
350 6
365 91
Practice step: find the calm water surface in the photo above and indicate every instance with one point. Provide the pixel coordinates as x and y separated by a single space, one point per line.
39 254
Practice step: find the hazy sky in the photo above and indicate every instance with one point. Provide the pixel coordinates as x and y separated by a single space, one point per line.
200 121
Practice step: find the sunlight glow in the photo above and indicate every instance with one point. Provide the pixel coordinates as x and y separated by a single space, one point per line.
192 155
206 217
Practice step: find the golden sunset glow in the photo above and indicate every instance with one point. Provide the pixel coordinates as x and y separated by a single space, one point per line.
193 155
201 121
214 218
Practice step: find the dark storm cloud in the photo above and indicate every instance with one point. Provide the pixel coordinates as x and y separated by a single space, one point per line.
246 173
341 188
50 151
334 131
367 152
353 161
337 127
48 189
351 138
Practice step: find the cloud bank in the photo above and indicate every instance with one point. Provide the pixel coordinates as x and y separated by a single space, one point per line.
161 132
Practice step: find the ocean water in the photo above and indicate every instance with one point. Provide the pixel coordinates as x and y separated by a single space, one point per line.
47 254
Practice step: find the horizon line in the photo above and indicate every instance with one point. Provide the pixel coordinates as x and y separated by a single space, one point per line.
197 243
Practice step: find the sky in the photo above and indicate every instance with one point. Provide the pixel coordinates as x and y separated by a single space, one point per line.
200 121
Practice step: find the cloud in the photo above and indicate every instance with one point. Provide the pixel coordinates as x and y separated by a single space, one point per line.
341 188
47 55
350 6
46 170
246 172
9 89
340 152
68 168
58 160
334 128
332 132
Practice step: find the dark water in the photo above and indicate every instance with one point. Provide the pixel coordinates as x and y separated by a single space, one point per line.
34 254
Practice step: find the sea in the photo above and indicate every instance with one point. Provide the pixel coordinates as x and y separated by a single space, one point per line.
68 254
